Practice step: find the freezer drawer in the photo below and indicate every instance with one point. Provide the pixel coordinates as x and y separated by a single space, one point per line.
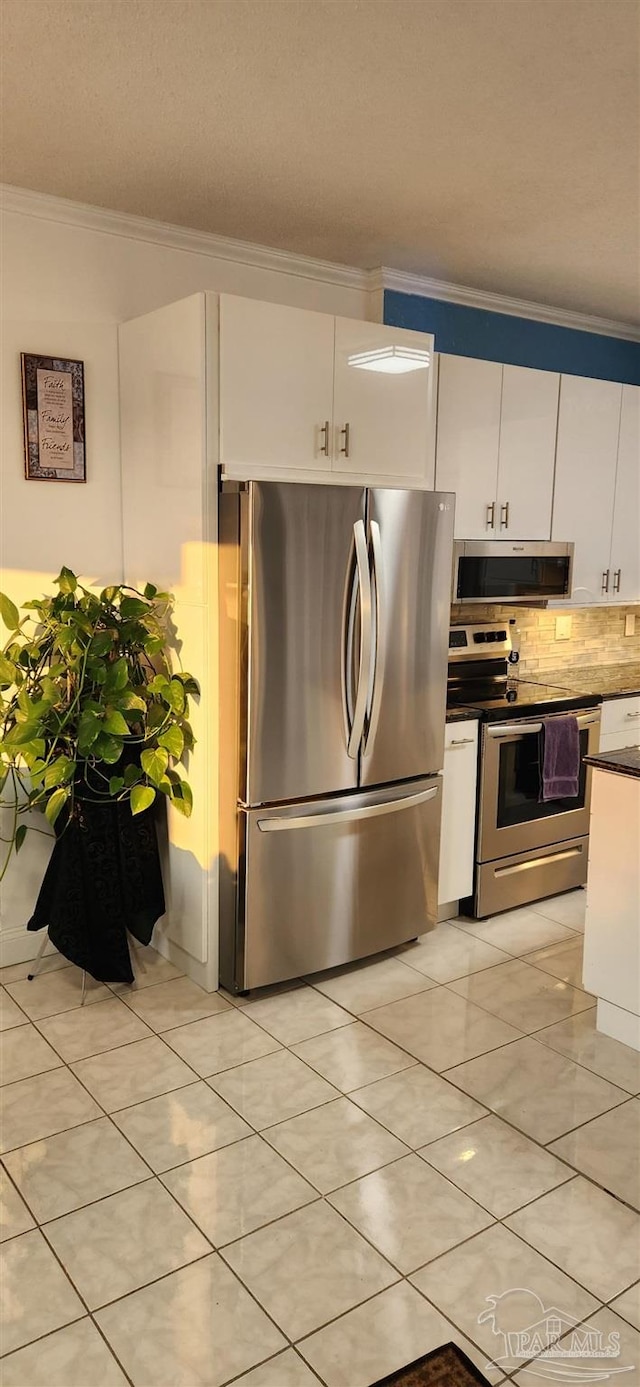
324 882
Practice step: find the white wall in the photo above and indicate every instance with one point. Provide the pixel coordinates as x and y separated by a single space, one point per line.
65 288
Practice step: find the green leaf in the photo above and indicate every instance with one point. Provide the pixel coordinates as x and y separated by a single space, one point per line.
173 740
132 607
56 803
150 590
88 729
154 763
118 674
101 642
175 696
115 723
107 748
153 645
142 797
109 594
33 751
158 684
116 784
189 684
58 772
22 733
129 700
21 833
131 775
9 612
8 672
182 799
66 580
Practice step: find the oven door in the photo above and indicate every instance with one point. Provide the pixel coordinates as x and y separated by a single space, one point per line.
512 817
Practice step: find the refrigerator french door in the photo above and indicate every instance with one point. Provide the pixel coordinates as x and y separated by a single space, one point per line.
334 618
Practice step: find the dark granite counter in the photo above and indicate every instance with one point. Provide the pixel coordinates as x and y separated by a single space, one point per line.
624 762
458 714
610 681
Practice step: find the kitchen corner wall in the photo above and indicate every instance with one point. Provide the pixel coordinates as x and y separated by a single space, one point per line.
597 635
65 289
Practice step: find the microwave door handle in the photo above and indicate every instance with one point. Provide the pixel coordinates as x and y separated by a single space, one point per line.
522 729
366 618
379 639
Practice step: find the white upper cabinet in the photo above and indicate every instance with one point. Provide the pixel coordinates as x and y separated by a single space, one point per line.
496 447
276 385
324 398
528 425
384 403
468 442
625 535
586 457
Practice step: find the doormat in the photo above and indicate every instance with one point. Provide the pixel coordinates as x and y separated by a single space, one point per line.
443 1367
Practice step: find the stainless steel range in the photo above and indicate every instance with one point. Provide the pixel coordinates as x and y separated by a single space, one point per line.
525 848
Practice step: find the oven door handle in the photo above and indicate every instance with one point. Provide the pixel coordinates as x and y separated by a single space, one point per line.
518 729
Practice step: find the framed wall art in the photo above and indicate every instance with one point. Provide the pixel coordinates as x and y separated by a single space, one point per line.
53 406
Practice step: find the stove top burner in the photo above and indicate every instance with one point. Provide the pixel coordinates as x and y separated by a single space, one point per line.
519 697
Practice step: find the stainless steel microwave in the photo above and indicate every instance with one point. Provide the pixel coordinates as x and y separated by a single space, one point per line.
507 571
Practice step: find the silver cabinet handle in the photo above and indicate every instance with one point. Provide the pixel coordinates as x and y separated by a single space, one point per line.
328 819
324 438
605 580
632 715
460 741
617 574
366 621
504 516
491 515
523 729
345 433
380 637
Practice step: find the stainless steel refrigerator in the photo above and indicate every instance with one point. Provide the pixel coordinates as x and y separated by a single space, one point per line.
334 620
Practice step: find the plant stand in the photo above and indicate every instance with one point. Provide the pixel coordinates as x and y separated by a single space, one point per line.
103 880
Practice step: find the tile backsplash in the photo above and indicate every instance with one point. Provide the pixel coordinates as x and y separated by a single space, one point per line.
597 634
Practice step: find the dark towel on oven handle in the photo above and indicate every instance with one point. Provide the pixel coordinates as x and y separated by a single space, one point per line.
559 758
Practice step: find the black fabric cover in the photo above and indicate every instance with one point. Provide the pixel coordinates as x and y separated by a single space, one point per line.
103 879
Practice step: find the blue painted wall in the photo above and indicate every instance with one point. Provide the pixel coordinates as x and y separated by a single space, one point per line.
476 332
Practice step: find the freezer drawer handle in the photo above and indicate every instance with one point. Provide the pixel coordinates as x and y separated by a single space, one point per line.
528 728
366 621
347 816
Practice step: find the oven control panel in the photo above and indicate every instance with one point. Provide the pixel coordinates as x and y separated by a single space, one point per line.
480 641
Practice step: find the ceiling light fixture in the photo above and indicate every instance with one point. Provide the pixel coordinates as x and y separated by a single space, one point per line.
394 360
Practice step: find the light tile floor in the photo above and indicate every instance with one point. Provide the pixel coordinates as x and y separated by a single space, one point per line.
320 1183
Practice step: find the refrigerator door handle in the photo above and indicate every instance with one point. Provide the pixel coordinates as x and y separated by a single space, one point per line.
366 622
347 816
379 637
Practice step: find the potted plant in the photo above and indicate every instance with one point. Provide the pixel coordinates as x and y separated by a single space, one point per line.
94 726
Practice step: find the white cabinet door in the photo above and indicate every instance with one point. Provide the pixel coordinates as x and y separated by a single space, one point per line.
469 394
384 403
625 539
276 385
458 811
528 424
588 424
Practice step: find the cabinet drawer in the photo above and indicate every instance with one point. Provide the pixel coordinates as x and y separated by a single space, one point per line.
621 715
617 741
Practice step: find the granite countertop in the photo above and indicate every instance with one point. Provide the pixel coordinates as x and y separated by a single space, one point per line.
624 762
610 681
458 714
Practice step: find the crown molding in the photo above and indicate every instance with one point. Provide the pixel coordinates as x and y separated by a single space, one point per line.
407 283
58 209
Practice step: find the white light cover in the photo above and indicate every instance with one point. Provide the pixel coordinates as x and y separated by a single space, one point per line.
393 359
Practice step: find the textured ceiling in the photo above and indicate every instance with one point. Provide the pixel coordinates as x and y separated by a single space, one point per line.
493 143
